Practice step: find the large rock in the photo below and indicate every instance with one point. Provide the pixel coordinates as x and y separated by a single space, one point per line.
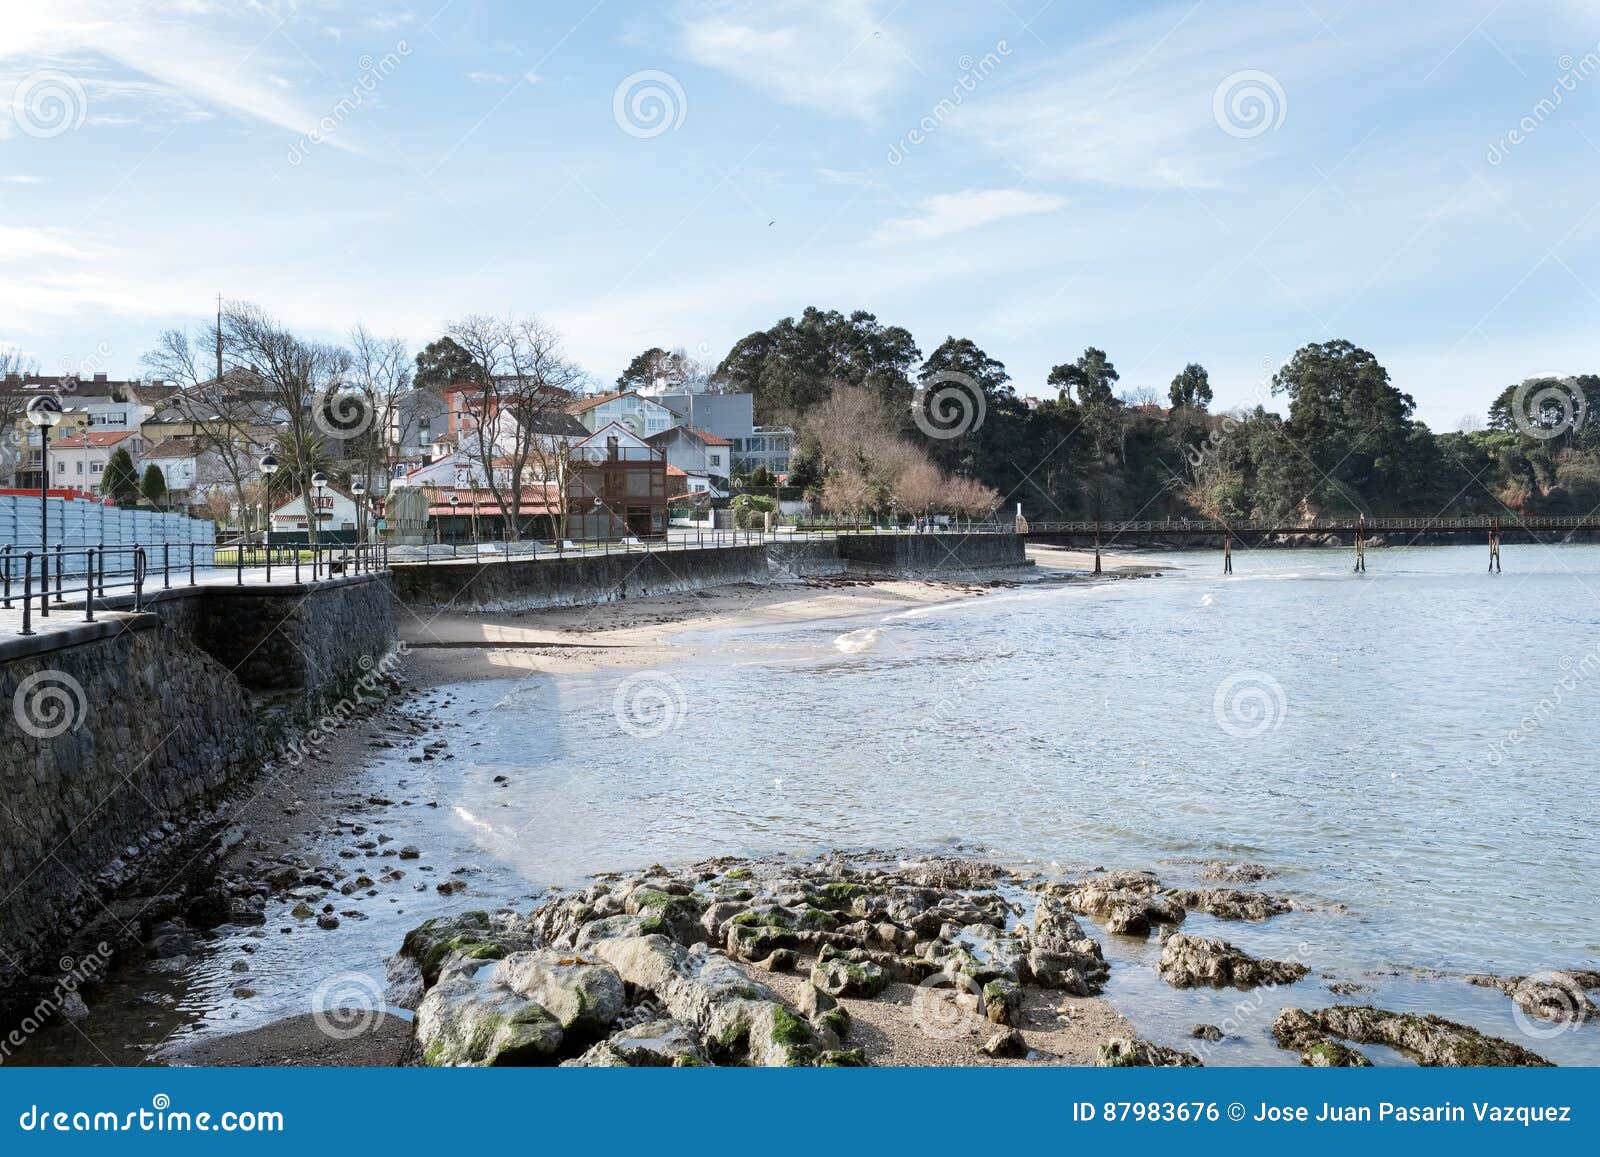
1231 903
1127 902
1127 1052
1428 1040
739 1018
472 935
467 1019
662 1043
1194 961
840 977
1555 996
1060 954
585 998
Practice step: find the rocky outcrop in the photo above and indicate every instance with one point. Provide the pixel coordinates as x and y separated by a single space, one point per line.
1231 903
1126 902
1059 954
1317 1035
661 967
1554 996
1128 1052
1194 961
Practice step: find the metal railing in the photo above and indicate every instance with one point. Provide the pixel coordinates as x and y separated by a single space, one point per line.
1376 524
56 580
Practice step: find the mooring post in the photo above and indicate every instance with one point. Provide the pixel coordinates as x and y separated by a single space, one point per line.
1361 544
1097 547
1227 553
1494 547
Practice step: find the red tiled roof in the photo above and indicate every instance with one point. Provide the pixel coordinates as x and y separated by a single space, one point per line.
94 438
708 437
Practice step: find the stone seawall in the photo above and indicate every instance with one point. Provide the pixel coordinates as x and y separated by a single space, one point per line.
931 555
536 584
126 740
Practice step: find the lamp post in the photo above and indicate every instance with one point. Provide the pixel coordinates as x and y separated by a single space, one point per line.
358 490
44 413
269 467
455 505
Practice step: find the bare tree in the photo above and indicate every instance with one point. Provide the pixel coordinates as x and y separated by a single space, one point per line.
13 401
919 487
846 492
380 376
518 409
222 424
294 374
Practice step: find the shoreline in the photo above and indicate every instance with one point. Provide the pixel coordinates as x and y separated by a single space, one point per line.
324 790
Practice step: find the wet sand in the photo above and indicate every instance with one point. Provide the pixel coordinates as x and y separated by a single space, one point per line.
455 648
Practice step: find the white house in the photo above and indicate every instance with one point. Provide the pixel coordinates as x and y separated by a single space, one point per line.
190 471
641 416
705 458
79 459
335 510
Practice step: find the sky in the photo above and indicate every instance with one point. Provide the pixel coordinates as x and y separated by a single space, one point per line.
1191 182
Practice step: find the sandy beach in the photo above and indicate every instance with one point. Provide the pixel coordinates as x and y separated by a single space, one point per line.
456 648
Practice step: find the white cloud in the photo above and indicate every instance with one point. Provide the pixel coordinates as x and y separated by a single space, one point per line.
175 43
831 55
946 214
486 77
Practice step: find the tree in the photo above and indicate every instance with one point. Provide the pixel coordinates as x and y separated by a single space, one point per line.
13 400
1191 389
444 363
1091 377
1351 423
380 379
120 480
293 373
519 411
677 371
961 387
229 415
154 486
796 364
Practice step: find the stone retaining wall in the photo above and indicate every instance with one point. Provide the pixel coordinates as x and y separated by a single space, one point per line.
534 584
931 556
125 739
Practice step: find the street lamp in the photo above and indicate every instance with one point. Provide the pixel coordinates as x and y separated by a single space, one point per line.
358 491
44 412
455 506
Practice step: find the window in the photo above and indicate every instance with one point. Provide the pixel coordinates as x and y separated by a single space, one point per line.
96 467
61 467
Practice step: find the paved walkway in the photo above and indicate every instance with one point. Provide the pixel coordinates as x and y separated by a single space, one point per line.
119 593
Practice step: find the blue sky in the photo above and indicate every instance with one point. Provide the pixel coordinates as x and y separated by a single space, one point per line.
1213 182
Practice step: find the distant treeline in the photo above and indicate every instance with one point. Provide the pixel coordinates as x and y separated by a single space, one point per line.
1349 442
